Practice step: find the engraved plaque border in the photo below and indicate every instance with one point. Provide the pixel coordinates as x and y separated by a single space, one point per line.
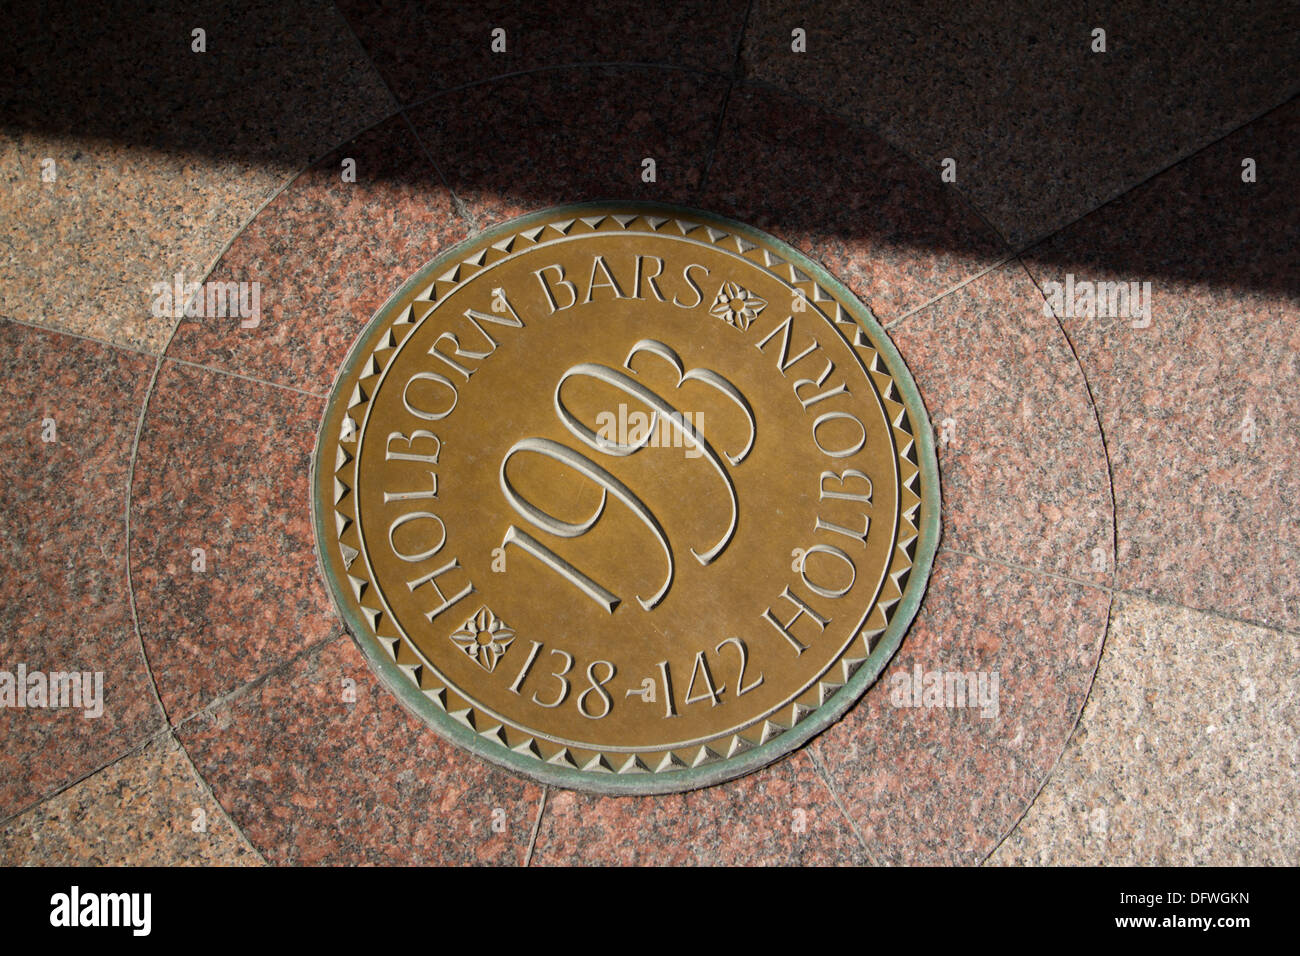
456 723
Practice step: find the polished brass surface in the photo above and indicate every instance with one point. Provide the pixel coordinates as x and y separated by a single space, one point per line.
621 492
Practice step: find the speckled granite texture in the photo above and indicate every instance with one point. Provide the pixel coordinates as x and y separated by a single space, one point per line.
1002 385
148 809
942 785
1187 753
882 226
784 815
160 153
313 777
326 253
521 143
1201 408
82 254
423 48
1118 496
1042 129
222 469
65 466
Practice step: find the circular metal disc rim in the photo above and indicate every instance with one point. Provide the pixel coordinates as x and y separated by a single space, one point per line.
728 768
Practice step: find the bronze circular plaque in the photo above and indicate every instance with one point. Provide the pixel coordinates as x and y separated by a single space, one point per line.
625 497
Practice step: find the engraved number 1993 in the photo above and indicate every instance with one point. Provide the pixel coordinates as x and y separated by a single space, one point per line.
611 486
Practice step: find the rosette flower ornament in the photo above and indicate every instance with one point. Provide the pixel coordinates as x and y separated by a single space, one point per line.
484 638
737 306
